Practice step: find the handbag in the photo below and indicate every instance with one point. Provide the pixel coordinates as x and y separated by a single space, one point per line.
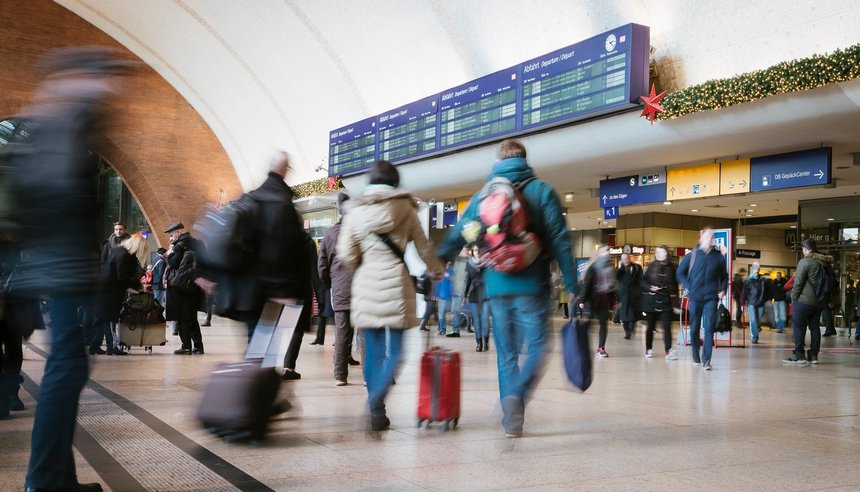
724 319
576 352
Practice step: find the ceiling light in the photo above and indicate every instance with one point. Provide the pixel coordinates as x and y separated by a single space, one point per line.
830 219
750 210
694 210
568 197
667 202
753 204
749 215
793 226
573 228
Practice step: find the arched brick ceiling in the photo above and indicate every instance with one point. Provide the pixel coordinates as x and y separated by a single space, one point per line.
269 74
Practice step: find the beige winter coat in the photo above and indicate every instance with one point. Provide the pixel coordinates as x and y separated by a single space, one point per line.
383 294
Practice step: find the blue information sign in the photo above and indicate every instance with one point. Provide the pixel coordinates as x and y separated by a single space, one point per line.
628 190
594 76
352 149
791 170
610 213
409 130
480 109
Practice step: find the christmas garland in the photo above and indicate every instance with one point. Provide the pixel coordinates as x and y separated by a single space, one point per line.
785 77
316 187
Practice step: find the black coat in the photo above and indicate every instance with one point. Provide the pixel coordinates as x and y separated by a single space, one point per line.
474 291
183 297
629 291
333 274
119 272
661 275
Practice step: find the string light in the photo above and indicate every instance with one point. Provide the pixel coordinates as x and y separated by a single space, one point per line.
315 187
796 75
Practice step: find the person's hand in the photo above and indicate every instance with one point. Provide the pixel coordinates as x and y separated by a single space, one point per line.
208 286
581 305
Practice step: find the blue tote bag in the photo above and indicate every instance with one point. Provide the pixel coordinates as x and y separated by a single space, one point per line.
577 353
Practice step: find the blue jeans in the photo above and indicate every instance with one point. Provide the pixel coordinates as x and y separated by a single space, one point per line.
755 321
520 324
381 359
442 307
805 316
702 315
52 463
779 316
477 321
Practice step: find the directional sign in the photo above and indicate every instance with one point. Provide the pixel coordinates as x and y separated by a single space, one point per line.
693 181
610 213
624 191
791 170
734 177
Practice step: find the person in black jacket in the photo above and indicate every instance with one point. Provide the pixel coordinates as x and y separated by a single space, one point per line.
428 285
119 275
114 240
658 287
737 287
183 294
597 292
628 277
777 293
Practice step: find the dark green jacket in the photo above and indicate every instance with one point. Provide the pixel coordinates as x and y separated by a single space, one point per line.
545 212
808 271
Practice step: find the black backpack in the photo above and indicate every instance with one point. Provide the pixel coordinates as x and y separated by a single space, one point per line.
724 319
230 236
825 286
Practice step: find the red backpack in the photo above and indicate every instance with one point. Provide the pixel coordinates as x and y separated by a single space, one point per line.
505 243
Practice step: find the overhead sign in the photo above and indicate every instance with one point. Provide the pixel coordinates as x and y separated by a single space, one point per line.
602 74
734 177
352 148
627 249
619 192
652 178
610 213
748 253
791 170
693 181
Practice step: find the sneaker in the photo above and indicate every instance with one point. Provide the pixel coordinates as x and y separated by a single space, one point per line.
795 359
513 409
755 341
513 435
97 351
340 382
353 362
697 364
453 335
601 352
812 359
182 351
379 423
708 366
290 375
672 355
649 354
198 351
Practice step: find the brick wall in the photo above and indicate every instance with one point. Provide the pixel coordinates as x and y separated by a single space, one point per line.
160 146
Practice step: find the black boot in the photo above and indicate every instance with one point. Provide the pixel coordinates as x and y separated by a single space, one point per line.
15 403
486 344
479 345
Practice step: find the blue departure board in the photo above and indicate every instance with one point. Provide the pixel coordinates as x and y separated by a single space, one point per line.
352 149
591 77
478 110
408 131
603 74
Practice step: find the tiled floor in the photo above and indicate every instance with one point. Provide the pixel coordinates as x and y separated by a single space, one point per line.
645 424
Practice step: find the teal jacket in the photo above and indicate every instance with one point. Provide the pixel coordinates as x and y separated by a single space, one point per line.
547 221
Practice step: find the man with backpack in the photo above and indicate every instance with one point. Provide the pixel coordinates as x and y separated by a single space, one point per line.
754 295
814 285
517 223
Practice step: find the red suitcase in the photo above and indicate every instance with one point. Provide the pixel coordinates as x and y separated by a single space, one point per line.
439 388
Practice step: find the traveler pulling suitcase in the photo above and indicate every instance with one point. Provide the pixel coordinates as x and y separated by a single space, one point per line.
238 400
439 387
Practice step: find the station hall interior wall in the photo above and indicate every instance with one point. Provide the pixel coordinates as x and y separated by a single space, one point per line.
160 146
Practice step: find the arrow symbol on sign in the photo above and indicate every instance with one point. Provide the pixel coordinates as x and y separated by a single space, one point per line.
604 198
819 174
743 184
672 191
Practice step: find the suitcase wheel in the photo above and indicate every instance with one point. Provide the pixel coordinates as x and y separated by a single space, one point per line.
446 425
456 421
148 349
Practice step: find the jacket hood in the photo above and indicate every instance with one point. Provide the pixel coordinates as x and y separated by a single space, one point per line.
514 169
821 257
381 207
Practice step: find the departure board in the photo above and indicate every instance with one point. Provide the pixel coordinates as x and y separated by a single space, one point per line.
352 149
408 131
593 76
480 109
603 74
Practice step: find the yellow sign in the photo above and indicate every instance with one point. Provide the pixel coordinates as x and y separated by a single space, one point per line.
693 182
735 177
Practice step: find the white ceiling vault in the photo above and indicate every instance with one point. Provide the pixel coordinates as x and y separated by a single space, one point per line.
280 74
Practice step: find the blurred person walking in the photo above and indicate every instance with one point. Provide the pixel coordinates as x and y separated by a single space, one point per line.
659 286
444 294
372 241
519 300
53 187
337 278
703 274
597 294
428 285
628 278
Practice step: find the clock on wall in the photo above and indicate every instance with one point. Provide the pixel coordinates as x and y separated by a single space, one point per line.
611 41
